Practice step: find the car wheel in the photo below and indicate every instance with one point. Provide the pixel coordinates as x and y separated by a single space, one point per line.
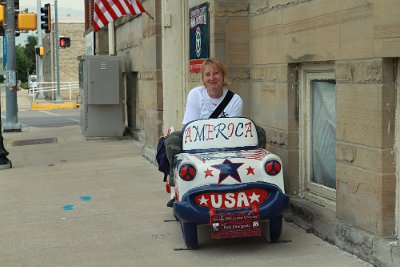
189 231
275 228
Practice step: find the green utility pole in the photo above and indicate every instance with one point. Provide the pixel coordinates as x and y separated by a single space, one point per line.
58 96
12 124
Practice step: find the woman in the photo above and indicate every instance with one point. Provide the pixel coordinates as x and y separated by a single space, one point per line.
201 103
203 100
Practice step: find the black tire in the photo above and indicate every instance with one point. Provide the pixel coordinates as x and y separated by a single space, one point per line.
189 231
275 228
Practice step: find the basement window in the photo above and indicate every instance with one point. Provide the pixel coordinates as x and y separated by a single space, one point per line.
318 132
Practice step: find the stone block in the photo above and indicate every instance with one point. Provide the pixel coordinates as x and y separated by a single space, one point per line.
310 31
344 72
282 3
387 47
271 73
311 43
149 53
257 7
365 114
238 74
220 29
386 224
386 28
366 199
270 104
237 41
358 196
311 13
225 8
242 88
159 96
276 138
366 71
372 159
152 126
265 33
356 33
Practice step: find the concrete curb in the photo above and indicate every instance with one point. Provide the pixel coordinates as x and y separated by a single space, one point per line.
51 106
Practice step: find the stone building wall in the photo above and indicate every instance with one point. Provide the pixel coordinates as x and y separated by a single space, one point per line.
267 45
139 43
357 39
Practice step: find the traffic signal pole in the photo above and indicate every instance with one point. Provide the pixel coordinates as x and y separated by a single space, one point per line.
12 124
5 163
39 70
58 96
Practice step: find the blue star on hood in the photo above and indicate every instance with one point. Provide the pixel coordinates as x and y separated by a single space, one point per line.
228 168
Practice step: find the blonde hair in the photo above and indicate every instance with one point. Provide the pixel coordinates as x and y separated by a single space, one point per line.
219 65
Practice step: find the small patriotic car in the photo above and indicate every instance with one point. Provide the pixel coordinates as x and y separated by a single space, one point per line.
223 178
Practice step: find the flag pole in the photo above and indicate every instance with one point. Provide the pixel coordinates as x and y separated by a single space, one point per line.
111 38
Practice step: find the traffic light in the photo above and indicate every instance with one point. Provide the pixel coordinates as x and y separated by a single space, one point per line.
27 21
65 42
2 17
1 13
39 50
16 12
45 17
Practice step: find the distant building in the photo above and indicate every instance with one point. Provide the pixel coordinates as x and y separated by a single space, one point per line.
73 28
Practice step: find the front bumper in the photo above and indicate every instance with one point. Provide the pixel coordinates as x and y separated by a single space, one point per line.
187 210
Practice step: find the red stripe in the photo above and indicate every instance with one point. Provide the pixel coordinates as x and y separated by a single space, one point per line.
129 4
109 9
100 15
120 7
139 4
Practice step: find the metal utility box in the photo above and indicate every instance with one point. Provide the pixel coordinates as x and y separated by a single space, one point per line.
101 89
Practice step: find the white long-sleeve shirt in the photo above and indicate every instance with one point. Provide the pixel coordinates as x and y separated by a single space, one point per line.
199 105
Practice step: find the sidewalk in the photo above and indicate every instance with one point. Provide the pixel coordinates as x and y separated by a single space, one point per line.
71 202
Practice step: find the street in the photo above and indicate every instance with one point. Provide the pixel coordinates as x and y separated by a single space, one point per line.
47 118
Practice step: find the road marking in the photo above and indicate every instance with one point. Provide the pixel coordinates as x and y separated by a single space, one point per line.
51 113
58 115
73 120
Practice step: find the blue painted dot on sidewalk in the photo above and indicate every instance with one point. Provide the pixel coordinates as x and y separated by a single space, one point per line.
86 198
68 207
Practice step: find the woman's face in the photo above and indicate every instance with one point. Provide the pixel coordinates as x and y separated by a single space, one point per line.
213 78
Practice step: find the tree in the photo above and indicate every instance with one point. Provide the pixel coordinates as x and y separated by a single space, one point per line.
25 58
23 63
30 50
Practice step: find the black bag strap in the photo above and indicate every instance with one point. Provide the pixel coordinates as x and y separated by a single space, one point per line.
222 105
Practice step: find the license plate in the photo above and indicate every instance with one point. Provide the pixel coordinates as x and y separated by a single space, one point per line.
233 225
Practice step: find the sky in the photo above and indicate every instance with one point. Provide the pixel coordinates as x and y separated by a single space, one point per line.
74 8
65 7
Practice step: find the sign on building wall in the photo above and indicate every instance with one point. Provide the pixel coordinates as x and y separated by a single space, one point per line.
89 44
199 36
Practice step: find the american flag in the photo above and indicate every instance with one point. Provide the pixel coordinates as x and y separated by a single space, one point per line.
106 11
257 154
